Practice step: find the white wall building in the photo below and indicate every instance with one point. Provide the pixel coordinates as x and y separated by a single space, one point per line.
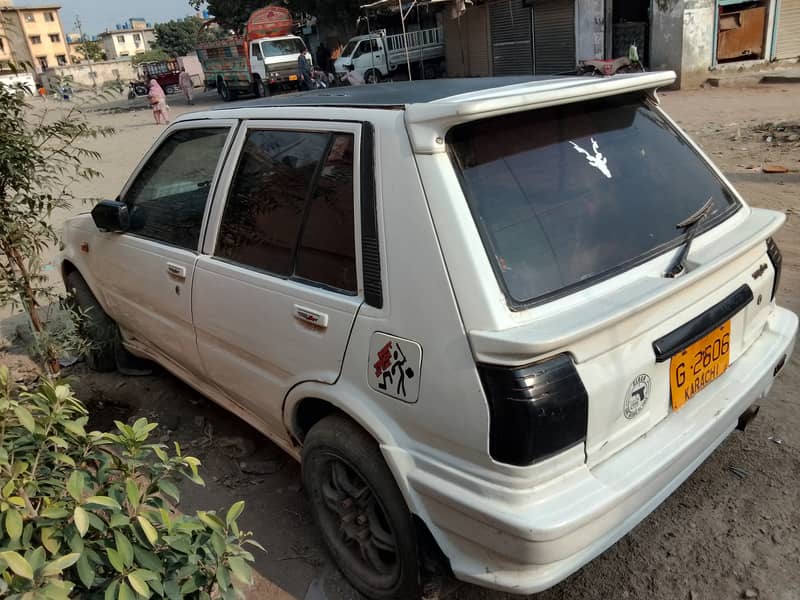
134 37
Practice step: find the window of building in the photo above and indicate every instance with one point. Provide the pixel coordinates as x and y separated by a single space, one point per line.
54 37
62 59
169 195
137 37
36 39
2 45
29 17
42 62
290 209
121 39
49 17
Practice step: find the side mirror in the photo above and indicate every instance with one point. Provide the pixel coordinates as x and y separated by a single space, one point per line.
111 215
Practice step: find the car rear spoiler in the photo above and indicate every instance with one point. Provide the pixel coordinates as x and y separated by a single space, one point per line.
428 123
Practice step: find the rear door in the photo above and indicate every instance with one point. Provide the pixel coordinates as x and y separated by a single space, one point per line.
275 298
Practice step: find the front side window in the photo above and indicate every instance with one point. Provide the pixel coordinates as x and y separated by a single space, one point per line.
577 192
290 209
256 50
168 198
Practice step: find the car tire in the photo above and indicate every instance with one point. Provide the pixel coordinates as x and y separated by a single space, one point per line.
372 76
224 90
360 511
260 89
98 328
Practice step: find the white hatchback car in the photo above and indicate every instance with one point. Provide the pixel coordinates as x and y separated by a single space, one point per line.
507 317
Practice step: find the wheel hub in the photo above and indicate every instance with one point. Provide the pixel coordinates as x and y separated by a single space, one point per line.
361 523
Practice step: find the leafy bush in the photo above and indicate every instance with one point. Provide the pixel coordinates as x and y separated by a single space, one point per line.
93 514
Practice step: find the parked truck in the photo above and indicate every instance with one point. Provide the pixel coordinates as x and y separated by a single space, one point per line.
259 62
377 55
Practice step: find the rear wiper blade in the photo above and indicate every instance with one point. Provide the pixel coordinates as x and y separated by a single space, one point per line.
690 225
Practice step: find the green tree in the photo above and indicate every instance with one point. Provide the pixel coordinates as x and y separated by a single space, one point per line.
91 50
154 55
43 152
178 38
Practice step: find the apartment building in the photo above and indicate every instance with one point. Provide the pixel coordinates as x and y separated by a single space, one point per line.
32 34
134 37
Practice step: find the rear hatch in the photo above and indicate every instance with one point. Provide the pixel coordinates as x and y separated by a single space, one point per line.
583 209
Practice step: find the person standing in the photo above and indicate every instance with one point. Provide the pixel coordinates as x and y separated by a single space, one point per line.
304 70
158 102
185 81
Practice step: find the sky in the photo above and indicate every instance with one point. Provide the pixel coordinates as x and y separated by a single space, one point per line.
99 15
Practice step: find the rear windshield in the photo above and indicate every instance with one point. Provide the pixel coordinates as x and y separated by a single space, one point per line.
282 47
574 193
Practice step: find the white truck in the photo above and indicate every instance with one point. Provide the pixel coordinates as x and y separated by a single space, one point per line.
376 55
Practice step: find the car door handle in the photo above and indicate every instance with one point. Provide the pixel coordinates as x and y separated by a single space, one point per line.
176 271
312 317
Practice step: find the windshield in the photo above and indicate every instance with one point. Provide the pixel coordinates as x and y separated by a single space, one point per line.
568 194
348 50
282 47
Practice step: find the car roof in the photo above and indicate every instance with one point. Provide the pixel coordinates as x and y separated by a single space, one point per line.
404 93
391 94
435 104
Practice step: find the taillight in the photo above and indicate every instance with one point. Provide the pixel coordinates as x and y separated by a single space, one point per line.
776 259
536 411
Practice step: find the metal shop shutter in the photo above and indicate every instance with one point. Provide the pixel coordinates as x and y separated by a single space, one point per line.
554 36
510 28
788 42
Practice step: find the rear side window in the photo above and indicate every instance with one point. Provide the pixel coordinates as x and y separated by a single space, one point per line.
570 194
169 195
290 209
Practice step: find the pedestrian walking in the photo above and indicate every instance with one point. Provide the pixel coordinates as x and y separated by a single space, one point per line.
304 70
158 102
185 81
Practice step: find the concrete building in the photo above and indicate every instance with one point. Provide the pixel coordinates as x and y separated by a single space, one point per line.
32 34
134 37
698 39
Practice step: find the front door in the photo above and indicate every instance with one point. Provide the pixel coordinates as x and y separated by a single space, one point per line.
277 290
147 272
257 61
369 57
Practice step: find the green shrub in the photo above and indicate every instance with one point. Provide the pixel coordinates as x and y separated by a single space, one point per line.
90 514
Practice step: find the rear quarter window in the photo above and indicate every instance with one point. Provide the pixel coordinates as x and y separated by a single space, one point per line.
571 194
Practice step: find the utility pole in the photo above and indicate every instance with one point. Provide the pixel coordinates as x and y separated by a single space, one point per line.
79 27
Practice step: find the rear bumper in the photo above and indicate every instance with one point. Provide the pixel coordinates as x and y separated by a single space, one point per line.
524 541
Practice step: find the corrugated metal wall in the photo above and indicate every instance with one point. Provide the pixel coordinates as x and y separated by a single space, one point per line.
788 39
478 34
511 34
554 36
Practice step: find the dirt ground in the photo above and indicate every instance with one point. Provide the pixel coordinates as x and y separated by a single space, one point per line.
720 535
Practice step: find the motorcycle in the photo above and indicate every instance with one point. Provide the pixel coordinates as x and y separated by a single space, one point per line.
135 89
609 67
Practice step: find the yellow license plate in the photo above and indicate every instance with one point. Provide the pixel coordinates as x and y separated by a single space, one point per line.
292 77
701 363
